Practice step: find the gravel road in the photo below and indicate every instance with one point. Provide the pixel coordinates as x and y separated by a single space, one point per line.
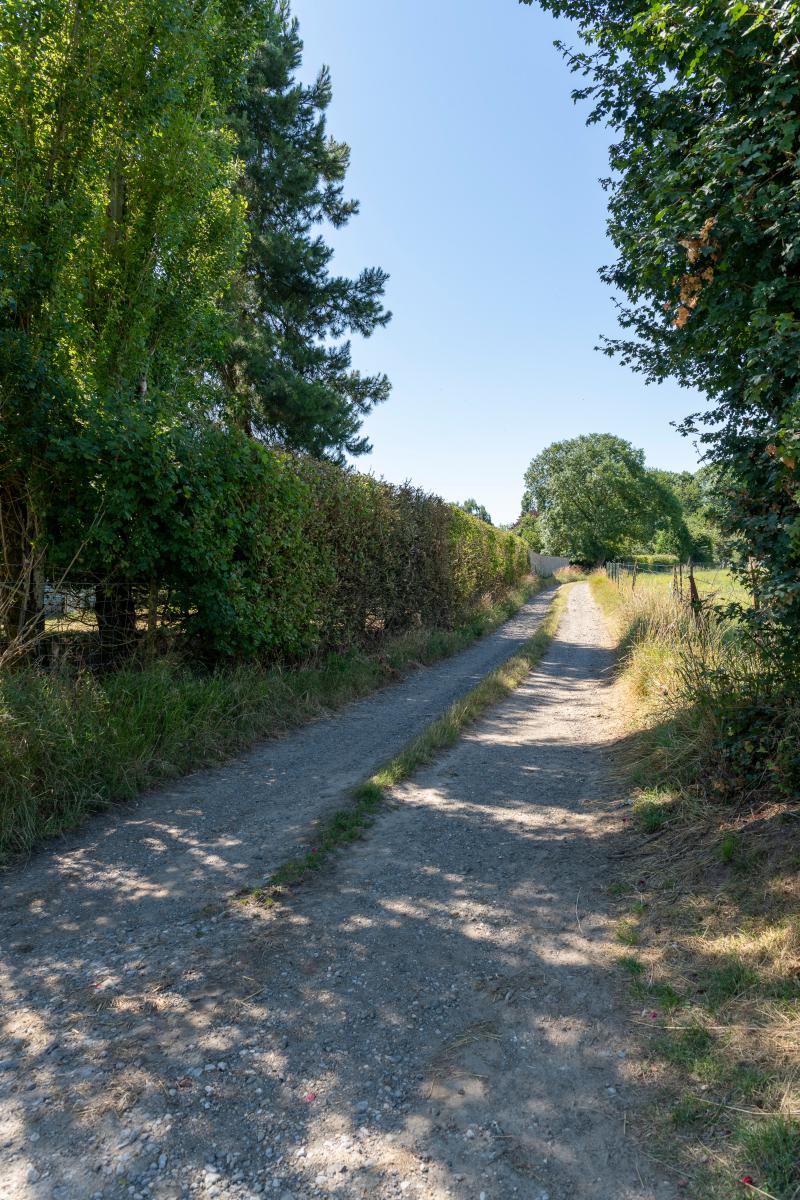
215 831
436 1017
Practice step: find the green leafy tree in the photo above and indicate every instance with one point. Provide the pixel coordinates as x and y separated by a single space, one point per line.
705 102
529 528
121 226
288 374
691 531
594 498
476 510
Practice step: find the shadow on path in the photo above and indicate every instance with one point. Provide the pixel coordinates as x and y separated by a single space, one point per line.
434 1018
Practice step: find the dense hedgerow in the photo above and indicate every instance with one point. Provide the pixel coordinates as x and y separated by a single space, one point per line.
264 554
383 559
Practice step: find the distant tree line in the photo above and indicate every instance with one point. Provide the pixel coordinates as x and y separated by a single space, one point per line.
592 498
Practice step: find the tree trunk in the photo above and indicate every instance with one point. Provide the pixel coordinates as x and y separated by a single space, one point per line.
115 611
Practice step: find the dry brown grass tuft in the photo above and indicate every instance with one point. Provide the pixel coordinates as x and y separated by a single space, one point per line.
710 882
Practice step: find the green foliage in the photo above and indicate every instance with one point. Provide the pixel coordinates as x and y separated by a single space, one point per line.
477 510
529 528
121 227
730 979
689 530
655 560
652 810
394 557
71 743
594 499
161 301
704 100
692 1048
772 1147
266 554
729 848
287 375
627 933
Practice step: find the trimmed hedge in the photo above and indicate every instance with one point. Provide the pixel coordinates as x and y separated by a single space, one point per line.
306 557
258 553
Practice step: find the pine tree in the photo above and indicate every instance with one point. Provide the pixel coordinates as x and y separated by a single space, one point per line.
288 375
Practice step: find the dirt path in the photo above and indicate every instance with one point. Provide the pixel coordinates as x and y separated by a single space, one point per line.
436 1018
207 835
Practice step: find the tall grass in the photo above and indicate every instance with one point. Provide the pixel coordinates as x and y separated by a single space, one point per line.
715 584
717 703
72 743
713 866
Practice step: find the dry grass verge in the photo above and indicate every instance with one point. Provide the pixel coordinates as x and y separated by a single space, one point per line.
709 930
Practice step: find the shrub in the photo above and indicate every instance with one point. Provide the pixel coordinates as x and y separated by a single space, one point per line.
656 560
259 553
570 574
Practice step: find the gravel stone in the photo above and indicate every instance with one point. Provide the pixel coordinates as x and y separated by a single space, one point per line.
433 990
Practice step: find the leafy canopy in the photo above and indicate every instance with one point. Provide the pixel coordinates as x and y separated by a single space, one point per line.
288 375
121 227
476 510
594 498
704 99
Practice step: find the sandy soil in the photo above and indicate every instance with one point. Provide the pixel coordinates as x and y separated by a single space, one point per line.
436 1017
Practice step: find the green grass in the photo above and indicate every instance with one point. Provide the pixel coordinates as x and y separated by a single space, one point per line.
72 744
729 848
692 1048
652 809
773 1146
627 932
729 981
350 823
715 584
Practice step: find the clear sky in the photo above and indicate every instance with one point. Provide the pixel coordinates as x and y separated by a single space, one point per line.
478 183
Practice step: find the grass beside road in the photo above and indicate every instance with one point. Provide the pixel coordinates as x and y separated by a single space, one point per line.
351 823
72 744
714 584
708 918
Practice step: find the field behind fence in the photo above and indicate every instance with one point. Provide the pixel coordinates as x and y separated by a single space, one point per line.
685 581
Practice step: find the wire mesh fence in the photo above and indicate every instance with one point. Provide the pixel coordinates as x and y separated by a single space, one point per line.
679 579
81 622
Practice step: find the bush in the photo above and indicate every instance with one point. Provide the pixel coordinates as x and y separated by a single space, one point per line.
732 708
257 553
393 558
570 574
656 560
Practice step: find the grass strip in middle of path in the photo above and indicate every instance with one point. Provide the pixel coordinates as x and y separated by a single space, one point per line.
349 824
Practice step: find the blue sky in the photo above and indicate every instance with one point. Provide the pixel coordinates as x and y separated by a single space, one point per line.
478 183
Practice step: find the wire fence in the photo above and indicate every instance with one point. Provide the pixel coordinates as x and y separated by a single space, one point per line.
683 586
82 622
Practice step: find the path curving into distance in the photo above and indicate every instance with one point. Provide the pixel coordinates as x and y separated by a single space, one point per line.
435 1018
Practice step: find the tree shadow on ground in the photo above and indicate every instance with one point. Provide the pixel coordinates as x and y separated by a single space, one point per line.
441 1010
